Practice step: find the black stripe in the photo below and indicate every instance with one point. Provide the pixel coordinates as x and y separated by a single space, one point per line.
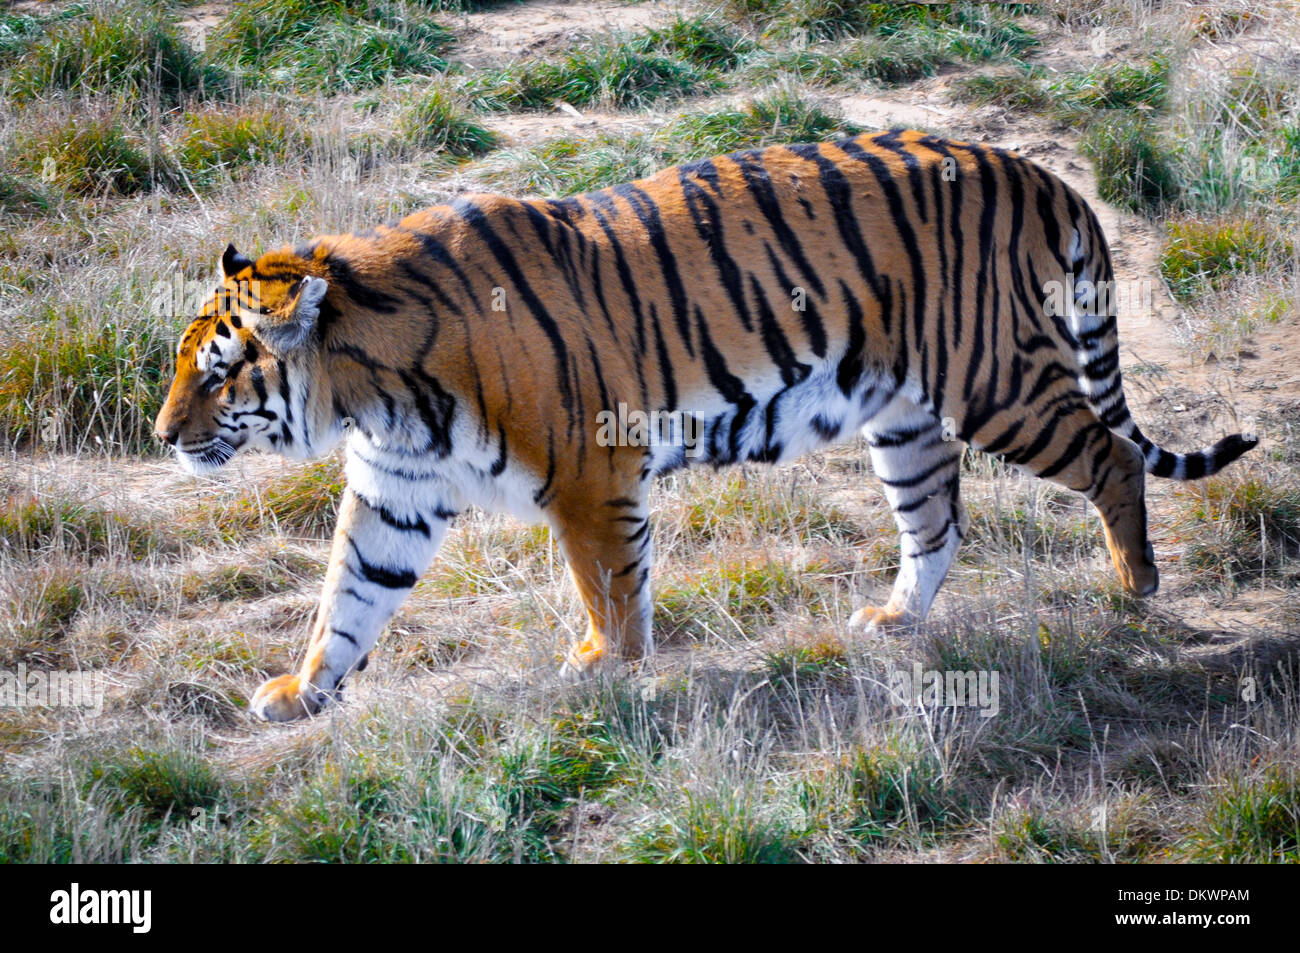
708 224
759 183
418 525
647 212
381 575
477 220
342 275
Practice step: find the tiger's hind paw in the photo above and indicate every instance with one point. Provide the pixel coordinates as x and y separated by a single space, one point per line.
582 661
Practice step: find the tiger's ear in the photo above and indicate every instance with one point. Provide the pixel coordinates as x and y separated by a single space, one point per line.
294 324
232 262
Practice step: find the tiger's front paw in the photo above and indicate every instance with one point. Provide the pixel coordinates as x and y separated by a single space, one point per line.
283 699
873 619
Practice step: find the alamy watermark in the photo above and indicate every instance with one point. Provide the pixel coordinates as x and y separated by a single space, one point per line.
1133 299
52 689
177 297
629 427
133 908
947 689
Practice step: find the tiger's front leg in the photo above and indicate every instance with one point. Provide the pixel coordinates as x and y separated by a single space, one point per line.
380 550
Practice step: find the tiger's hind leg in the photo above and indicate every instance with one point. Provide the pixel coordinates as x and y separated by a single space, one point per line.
606 540
920 466
1086 456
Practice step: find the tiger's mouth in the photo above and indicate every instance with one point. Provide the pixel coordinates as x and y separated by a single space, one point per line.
206 457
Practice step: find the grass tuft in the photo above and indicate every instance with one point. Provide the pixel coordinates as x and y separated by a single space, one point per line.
219 143
33 526
331 46
1205 256
437 119
1242 526
609 73
89 155
569 165
303 501
1133 165
703 41
778 117
160 785
84 381
1252 820
130 50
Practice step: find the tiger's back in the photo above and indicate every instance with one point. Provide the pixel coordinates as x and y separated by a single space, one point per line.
930 294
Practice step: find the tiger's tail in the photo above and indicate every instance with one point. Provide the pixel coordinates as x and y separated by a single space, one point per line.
1092 320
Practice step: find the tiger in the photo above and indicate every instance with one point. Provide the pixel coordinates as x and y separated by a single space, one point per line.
897 285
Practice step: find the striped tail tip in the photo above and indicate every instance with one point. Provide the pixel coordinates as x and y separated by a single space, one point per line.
1194 466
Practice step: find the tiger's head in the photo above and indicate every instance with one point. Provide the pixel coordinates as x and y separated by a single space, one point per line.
248 367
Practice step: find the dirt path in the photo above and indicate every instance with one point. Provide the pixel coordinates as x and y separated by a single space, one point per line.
492 37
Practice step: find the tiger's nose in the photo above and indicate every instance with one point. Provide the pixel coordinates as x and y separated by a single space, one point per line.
168 436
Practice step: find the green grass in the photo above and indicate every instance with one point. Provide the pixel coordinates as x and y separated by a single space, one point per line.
343 815
1133 164
473 786
806 662
466 6
705 41
32 526
1242 526
1140 163
283 572
726 826
1022 89
1238 141
39 608
19 32
88 155
613 73
437 119
1081 97
742 510
84 379
128 50
1259 99
489 557
1141 85
1054 528
734 598
894 785
1205 256
1038 837
834 19
220 142
569 165
1251 820
303 501
884 43
44 822
779 117
20 196
156 785
331 46
890 61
